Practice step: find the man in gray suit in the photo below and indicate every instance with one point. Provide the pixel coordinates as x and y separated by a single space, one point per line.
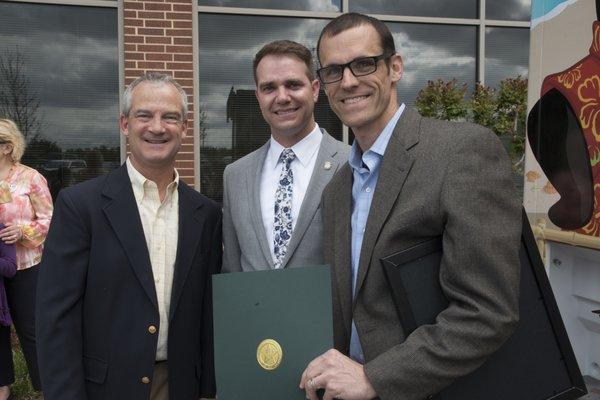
271 197
409 179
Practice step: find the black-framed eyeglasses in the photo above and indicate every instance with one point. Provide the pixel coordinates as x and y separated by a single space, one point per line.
359 67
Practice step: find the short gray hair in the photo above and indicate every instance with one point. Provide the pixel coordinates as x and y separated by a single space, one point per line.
154 77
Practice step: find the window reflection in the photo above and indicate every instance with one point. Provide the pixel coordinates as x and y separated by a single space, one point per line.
63 72
421 8
506 54
430 52
232 125
512 10
302 5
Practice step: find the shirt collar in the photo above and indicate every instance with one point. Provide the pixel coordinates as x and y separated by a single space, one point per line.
357 157
304 149
139 181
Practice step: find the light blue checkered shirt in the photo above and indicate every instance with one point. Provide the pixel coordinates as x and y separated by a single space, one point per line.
365 171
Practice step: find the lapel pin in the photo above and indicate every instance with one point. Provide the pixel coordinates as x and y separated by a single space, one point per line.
327 165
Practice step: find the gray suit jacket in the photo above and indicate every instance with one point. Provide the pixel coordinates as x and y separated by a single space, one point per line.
437 178
244 238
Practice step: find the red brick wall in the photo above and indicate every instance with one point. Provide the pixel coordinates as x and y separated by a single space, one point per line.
158 37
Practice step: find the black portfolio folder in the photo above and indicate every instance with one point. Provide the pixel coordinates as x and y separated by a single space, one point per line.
537 361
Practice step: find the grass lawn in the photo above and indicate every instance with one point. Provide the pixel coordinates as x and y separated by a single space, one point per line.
21 389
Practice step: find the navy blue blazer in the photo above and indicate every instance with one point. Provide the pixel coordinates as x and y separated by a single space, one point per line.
96 298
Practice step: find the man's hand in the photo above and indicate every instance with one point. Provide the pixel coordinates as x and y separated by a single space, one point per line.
340 376
11 234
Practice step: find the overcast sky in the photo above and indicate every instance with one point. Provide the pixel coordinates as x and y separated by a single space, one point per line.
519 10
429 52
72 56
495 9
71 59
304 5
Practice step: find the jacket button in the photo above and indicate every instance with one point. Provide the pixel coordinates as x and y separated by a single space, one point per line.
145 380
152 329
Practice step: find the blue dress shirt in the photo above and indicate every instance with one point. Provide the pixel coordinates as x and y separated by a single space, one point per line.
365 171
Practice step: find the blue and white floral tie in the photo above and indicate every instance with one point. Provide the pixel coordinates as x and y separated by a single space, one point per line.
283 208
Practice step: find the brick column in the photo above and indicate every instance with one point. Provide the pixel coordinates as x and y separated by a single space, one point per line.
158 37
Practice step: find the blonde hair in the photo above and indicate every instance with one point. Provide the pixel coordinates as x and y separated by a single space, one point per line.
10 133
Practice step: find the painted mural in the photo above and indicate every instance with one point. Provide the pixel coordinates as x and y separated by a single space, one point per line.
562 173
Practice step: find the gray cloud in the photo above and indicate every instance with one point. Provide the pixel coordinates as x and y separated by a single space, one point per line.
429 8
71 60
304 5
50 19
434 51
519 10
507 54
429 52
82 128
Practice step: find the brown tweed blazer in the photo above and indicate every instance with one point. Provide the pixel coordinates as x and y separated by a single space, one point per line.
437 178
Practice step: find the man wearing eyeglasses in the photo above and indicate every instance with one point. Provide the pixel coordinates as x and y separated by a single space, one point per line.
271 197
409 179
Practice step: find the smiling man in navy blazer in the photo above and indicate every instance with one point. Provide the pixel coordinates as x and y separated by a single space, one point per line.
124 299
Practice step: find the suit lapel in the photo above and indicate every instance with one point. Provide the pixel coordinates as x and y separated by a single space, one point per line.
319 179
190 234
341 268
253 176
124 217
395 167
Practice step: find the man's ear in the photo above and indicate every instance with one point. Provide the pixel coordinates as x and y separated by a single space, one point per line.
396 67
316 86
184 127
124 125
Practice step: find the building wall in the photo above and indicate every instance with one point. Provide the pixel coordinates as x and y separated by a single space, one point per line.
78 56
158 36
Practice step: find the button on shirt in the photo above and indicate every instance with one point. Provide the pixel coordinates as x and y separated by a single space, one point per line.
302 167
160 221
365 172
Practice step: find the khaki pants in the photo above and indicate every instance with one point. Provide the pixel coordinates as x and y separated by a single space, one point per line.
160 382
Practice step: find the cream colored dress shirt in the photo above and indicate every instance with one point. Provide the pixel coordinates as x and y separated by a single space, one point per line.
160 222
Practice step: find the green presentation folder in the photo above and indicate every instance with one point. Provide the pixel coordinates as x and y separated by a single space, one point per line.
291 307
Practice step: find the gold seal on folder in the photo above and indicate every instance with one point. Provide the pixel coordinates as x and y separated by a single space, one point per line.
269 354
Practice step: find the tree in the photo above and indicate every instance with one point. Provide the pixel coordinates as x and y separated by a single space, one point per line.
18 101
512 111
503 111
443 100
483 105
202 123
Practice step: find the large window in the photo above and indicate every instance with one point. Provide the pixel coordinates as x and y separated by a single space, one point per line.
432 51
514 10
301 5
59 82
423 8
231 124
467 40
505 54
